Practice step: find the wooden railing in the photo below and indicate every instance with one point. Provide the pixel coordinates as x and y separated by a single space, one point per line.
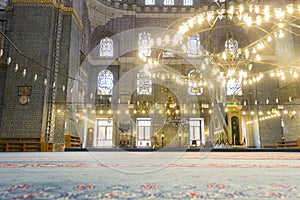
288 144
72 141
24 144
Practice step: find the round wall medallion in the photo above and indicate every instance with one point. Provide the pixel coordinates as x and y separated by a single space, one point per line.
23 100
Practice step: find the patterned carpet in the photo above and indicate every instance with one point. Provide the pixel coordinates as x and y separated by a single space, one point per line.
150 175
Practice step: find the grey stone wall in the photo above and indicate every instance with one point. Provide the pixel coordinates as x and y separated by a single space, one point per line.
30 32
2 88
264 132
34 32
291 130
270 129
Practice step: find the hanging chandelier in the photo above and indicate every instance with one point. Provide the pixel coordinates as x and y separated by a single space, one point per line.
235 61
232 62
238 58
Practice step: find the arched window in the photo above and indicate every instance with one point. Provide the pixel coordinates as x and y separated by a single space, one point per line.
144 83
168 2
106 47
234 87
105 82
188 2
145 43
193 46
149 2
195 82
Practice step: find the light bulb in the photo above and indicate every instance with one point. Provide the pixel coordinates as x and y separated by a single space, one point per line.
267 17
260 45
247 53
200 19
258 20
8 60
266 9
250 8
210 15
281 34
230 10
258 57
24 72
250 66
269 38
280 25
279 14
16 67
256 8
191 23
290 9
241 8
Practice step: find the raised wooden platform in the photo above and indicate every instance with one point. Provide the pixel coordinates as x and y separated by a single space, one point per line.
288 144
73 141
24 144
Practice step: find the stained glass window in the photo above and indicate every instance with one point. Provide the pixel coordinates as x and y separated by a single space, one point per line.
188 2
3 3
106 47
193 46
145 43
168 2
149 2
105 82
234 87
144 84
195 82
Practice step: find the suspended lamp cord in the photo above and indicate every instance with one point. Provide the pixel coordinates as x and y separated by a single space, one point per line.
34 61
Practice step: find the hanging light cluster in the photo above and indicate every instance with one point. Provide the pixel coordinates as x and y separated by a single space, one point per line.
248 14
228 60
16 68
269 115
235 61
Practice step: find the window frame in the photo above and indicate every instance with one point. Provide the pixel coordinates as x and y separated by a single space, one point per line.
106 54
101 73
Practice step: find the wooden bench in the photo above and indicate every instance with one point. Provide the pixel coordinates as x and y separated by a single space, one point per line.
288 144
72 141
24 144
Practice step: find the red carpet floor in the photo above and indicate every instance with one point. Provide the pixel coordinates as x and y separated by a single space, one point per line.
150 175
